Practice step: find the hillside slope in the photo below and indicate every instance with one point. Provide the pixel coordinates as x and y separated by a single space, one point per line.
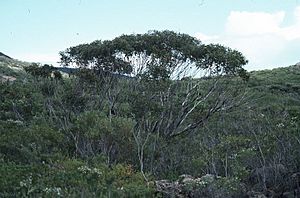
71 137
11 68
4 55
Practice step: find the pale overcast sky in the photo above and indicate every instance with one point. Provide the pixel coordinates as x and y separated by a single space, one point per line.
266 31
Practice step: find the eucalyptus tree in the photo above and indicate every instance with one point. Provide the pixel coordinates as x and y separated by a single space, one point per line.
175 82
161 59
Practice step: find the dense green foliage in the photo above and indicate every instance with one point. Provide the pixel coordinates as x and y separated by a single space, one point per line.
156 55
102 134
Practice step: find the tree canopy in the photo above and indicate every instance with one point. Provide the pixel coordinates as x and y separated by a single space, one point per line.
156 55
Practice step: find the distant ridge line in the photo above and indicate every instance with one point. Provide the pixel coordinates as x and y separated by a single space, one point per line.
4 55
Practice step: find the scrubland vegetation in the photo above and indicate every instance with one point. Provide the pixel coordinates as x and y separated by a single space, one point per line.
152 115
